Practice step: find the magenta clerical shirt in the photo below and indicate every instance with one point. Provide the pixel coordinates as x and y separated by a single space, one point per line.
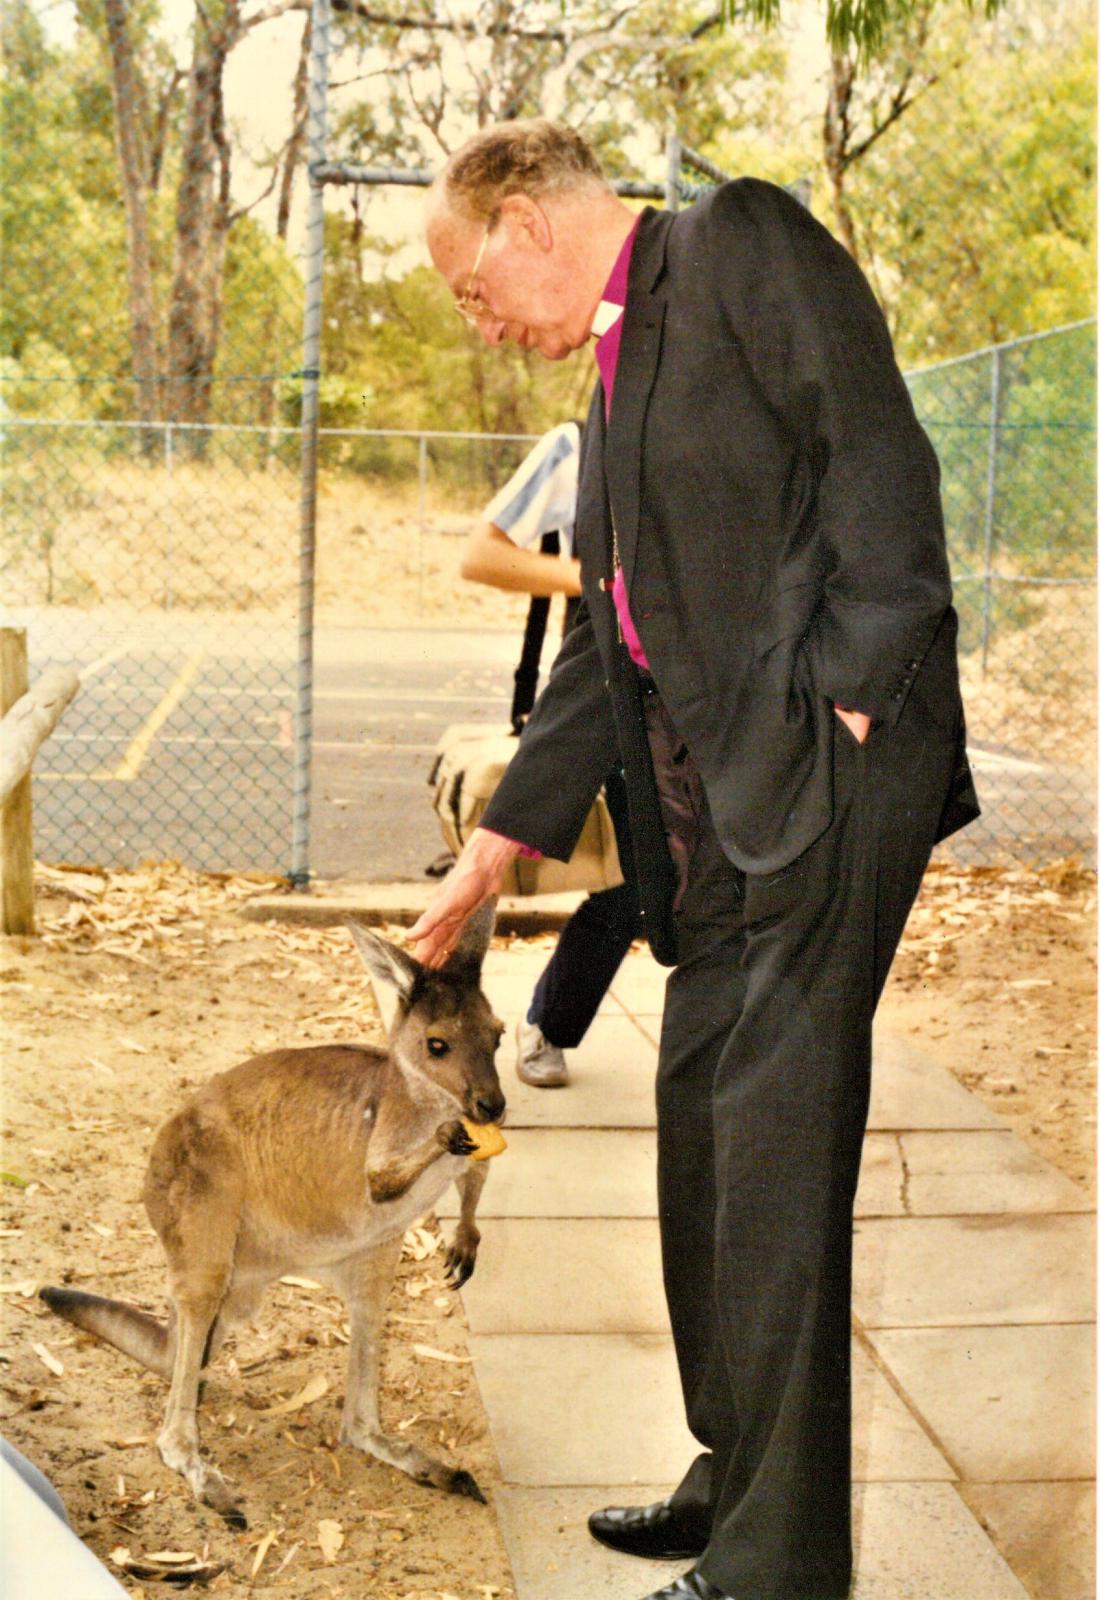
607 359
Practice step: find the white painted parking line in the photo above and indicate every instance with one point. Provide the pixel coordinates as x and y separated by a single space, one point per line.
97 666
992 760
380 744
130 765
211 741
138 747
351 696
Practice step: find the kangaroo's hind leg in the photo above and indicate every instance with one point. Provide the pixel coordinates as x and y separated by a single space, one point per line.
364 1281
200 1248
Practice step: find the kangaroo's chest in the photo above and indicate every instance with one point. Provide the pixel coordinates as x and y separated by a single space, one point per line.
389 1217
284 1240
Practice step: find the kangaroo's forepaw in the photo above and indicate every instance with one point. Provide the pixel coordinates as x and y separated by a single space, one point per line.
453 1138
459 1264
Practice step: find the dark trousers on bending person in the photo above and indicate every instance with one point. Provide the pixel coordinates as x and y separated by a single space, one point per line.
762 1096
591 946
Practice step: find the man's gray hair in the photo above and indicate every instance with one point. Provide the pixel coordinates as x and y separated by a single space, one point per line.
533 156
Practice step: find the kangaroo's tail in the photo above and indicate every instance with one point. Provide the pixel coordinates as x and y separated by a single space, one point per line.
133 1332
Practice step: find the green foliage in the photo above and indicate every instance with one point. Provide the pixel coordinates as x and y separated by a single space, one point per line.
60 255
415 364
974 213
864 24
64 321
38 383
1019 497
1046 460
262 313
711 88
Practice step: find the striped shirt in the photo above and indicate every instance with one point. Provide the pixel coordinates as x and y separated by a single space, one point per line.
541 495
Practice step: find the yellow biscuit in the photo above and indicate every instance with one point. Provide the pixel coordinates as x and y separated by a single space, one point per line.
488 1138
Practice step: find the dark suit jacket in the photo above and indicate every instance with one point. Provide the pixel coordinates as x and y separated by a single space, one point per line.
779 523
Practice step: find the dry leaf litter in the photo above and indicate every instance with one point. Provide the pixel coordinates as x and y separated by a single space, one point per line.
144 983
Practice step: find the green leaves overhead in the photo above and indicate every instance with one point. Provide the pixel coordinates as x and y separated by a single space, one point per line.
861 24
961 175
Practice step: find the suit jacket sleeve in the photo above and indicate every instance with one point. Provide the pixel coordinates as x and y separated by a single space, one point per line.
565 752
820 345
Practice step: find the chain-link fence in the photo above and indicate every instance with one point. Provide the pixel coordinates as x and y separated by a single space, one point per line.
1016 436
152 383
158 561
163 567
150 330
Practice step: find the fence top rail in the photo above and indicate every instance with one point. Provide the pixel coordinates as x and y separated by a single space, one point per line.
422 433
995 349
322 172
703 164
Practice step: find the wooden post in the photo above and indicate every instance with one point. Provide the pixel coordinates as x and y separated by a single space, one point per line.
16 837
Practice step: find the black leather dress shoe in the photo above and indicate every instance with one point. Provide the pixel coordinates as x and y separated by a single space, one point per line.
692 1586
657 1532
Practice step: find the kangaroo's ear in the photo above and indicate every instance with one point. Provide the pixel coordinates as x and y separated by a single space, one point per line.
476 936
392 971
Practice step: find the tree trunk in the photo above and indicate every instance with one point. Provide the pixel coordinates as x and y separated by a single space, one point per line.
133 167
188 355
837 141
297 140
219 233
202 222
292 158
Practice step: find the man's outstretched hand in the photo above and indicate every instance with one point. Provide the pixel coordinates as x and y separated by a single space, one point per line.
475 877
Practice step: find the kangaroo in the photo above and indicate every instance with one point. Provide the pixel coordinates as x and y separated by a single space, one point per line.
316 1159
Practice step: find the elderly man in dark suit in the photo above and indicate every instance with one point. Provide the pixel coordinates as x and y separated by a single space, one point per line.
769 648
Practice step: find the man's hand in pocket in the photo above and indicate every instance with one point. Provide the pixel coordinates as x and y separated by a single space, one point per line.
858 723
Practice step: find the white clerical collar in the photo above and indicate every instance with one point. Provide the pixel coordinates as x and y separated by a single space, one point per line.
607 314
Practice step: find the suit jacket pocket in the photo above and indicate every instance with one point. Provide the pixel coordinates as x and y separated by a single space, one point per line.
786 615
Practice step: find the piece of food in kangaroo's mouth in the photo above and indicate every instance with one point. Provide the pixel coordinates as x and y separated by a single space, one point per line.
487 1137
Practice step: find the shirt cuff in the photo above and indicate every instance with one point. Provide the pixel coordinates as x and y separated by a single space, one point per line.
527 851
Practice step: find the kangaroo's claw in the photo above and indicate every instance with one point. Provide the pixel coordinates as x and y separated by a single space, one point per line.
462 1482
454 1138
459 1267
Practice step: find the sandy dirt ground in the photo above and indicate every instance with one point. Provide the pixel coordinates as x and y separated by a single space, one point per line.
140 986
996 979
136 992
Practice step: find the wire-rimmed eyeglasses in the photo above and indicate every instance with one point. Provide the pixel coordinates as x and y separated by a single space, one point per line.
470 306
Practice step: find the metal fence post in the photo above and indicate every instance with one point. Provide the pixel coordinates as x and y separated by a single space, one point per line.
990 501
422 482
321 25
169 462
672 170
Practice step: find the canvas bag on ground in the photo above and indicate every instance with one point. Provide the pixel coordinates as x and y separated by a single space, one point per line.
469 764
470 761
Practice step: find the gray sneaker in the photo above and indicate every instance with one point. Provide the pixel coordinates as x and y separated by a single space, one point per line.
538 1062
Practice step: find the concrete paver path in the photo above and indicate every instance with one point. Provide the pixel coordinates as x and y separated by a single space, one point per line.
973 1332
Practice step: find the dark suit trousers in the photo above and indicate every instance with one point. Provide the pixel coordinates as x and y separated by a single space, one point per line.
762 1095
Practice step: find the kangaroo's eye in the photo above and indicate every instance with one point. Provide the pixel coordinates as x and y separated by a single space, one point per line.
438 1047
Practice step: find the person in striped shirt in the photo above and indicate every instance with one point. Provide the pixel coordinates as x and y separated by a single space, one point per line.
503 551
